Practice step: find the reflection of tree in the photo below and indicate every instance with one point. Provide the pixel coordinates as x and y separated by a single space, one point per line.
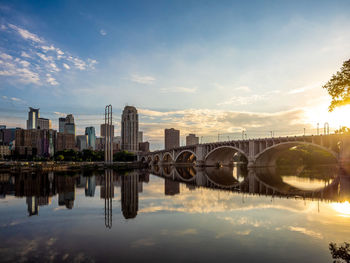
341 253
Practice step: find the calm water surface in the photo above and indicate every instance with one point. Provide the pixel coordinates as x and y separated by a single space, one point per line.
174 214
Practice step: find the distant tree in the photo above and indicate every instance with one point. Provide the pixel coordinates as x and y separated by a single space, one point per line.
341 253
60 157
343 130
124 156
339 87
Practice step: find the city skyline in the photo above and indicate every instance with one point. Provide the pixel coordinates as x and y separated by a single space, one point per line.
193 72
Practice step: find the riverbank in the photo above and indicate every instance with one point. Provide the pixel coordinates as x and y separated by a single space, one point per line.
22 166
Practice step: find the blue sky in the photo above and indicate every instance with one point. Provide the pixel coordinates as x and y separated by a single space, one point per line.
207 67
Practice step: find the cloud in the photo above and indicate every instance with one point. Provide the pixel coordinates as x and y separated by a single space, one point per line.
305 88
45 58
24 54
5 56
243 88
51 80
306 232
242 100
15 99
144 242
26 34
179 90
103 32
142 79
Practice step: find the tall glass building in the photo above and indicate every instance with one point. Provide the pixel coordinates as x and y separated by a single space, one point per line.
90 132
33 116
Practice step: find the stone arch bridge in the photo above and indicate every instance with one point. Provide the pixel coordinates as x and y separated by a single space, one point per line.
257 152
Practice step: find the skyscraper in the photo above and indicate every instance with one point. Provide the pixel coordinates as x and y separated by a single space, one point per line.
61 123
90 132
172 138
82 142
103 130
130 129
69 126
43 124
140 136
192 139
33 116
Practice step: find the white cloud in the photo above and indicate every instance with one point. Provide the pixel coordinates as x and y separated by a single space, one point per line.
242 100
53 67
306 88
51 80
243 88
15 99
3 27
24 63
24 54
306 232
179 90
5 56
103 32
44 57
142 79
66 66
26 34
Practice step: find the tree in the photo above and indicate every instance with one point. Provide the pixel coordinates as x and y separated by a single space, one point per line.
341 253
339 87
342 130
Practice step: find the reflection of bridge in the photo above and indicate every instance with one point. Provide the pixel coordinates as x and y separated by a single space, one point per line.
258 152
262 181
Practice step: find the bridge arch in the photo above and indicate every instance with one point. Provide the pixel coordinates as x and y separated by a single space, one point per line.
149 159
143 159
167 158
269 156
186 156
223 155
156 159
186 174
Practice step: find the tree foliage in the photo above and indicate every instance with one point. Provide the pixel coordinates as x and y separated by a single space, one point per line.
343 130
341 253
339 87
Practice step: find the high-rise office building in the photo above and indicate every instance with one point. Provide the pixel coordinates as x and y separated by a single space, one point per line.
69 126
192 139
171 138
65 142
140 136
91 137
130 129
33 116
82 142
43 124
61 123
103 130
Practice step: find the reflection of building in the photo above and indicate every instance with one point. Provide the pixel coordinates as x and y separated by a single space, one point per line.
192 139
90 186
172 138
66 199
4 151
171 187
91 137
33 116
130 129
130 195
32 205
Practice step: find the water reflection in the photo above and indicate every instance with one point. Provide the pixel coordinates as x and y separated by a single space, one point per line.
325 183
238 206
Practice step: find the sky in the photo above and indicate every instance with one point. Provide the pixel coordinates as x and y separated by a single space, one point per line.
213 68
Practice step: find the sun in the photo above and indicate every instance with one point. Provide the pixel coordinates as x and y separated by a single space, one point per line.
342 208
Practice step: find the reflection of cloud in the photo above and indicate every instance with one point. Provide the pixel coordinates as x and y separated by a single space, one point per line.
306 232
145 242
188 231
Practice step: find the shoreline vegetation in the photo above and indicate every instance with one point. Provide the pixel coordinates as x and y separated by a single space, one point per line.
7 166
